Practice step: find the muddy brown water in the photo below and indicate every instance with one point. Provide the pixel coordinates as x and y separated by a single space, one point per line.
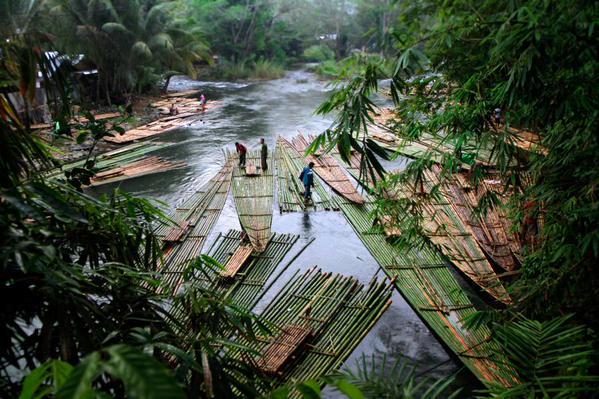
285 107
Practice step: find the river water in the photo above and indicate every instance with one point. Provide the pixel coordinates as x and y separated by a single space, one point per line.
247 112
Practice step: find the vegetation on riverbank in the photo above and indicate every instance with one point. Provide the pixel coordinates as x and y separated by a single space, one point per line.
468 78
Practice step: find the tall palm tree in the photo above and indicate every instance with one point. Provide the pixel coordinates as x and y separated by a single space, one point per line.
131 41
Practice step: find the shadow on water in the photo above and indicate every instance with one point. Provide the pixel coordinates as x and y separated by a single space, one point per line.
268 109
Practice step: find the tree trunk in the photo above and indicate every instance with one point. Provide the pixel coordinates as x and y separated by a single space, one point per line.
166 82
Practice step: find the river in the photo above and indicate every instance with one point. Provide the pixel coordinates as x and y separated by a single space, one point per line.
285 107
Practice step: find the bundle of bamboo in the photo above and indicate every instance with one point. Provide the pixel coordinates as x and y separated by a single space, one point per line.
245 288
320 318
198 214
112 159
329 171
444 228
428 285
289 166
254 197
142 167
492 229
151 129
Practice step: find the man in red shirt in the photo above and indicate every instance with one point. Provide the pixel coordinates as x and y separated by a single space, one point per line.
241 150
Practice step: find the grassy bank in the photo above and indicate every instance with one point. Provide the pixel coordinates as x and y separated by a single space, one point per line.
333 69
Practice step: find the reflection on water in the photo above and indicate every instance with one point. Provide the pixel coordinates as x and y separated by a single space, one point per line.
306 225
284 107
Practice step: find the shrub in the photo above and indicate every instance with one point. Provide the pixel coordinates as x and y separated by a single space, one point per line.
318 53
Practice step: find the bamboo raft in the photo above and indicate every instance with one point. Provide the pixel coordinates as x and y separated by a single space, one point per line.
245 287
426 282
194 220
249 284
142 167
433 146
444 228
329 171
319 319
118 158
290 164
151 129
184 105
254 197
492 230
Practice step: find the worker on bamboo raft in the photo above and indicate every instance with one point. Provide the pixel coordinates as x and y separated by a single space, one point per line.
203 102
307 177
241 150
263 155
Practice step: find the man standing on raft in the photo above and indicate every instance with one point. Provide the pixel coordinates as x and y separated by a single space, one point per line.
307 177
241 150
263 155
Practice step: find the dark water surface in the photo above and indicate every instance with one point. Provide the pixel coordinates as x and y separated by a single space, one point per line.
268 109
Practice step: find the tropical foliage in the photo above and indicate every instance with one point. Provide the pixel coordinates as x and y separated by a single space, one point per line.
82 313
552 358
133 43
536 61
79 274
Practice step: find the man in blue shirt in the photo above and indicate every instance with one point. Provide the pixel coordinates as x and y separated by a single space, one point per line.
307 177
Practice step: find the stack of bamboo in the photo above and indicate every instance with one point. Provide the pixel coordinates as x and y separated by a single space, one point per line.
199 214
151 129
429 286
142 167
123 163
183 106
290 164
444 228
329 171
319 319
492 228
254 197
